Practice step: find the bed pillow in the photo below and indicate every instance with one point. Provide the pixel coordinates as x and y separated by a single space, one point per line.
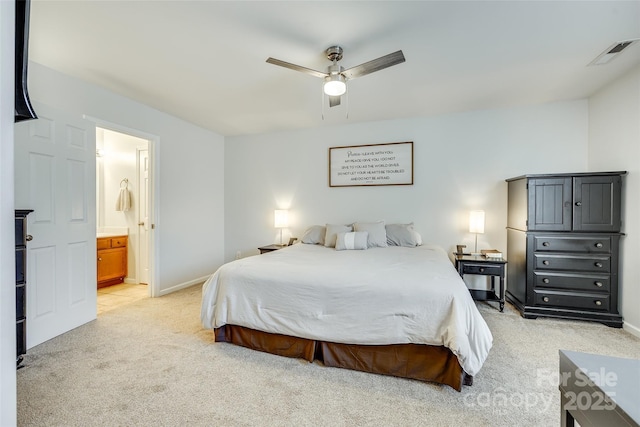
353 240
402 235
331 231
377 233
314 235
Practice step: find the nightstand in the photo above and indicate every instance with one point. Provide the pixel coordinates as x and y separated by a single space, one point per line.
270 248
481 265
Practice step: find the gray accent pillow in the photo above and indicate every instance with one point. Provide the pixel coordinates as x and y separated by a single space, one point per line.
331 231
377 233
314 235
350 241
402 235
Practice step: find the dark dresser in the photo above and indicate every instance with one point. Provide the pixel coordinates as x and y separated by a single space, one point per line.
563 235
21 240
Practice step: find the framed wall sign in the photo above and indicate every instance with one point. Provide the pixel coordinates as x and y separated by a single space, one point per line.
375 164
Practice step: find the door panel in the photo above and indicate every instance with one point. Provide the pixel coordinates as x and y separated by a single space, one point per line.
550 204
596 201
55 176
143 216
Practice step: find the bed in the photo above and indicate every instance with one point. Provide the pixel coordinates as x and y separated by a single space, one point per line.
395 310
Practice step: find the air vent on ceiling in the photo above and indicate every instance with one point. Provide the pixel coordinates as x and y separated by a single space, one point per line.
612 51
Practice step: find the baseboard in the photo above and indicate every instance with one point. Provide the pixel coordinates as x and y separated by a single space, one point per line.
130 281
633 330
183 285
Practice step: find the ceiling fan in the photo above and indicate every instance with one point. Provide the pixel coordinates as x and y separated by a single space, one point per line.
335 79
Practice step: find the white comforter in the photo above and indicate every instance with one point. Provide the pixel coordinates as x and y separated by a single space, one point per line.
388 295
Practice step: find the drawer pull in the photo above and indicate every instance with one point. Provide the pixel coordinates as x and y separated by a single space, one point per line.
545 299
545 243
481 269
598 264
578 203
598 284
545 280
28 237
99 259
545 262
598 302
599 245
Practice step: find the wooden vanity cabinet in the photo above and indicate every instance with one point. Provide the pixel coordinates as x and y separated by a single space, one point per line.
111 260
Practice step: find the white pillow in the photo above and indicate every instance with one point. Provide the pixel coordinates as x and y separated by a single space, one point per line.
349 241
402 235
331 231
314 235
377 233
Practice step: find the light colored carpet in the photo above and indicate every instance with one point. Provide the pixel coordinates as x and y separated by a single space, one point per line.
151 364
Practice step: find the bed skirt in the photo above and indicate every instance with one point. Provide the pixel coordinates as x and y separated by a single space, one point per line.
415 361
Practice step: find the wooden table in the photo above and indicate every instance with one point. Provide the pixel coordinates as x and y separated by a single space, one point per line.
270 248
481 265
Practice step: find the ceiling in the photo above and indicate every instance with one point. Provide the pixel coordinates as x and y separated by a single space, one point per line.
204 61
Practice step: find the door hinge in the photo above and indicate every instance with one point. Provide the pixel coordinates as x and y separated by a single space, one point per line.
153 226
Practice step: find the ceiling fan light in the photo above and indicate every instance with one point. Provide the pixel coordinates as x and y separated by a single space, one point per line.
335 85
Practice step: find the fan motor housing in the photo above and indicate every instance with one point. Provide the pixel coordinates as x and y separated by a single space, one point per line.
334 53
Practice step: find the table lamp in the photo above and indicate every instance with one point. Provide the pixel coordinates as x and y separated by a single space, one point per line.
281 220
476 225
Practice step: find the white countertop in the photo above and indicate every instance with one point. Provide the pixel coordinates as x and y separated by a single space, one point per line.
100 235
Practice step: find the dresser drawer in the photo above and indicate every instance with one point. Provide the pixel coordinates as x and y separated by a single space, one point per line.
587 263
20 302
585 282
584 301
111 242
572 244
119 242
103 243
482 269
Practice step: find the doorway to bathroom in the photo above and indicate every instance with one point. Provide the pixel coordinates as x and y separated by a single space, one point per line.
123 218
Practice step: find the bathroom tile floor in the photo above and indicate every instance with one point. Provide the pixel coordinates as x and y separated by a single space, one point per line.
114 296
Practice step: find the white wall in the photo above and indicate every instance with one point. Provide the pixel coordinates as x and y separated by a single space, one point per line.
614 144
460 164
190 174
7 233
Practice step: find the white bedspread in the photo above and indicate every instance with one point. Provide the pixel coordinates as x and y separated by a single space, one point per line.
388 295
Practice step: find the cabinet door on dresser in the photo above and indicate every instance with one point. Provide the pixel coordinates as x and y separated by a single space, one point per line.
550 203
596 203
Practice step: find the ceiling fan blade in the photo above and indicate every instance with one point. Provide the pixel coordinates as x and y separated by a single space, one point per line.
296 67
334 101
374 65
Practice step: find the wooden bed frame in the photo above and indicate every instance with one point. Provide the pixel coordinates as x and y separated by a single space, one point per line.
416 361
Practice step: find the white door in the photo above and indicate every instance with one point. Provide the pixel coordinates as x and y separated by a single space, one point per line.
143 216
55 176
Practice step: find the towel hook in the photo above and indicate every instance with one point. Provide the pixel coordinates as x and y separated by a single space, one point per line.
125 181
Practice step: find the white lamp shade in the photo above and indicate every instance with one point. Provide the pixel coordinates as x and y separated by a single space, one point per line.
281 218
335 85
476 222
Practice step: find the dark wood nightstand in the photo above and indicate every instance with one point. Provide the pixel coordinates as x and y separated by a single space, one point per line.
270 248
481 265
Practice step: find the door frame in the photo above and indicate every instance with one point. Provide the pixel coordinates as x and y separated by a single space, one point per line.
153 144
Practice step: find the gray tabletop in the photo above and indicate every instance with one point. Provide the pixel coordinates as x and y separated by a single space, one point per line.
619 378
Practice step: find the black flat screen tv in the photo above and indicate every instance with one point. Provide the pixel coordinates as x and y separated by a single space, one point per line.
23 108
